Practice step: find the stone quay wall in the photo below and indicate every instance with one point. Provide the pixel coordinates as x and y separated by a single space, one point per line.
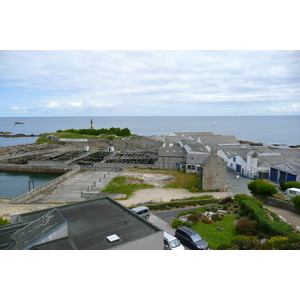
278 203
25 197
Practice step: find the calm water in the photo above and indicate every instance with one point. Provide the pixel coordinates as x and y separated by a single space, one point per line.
269 130
13 184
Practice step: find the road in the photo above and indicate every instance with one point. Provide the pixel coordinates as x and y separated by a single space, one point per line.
169 215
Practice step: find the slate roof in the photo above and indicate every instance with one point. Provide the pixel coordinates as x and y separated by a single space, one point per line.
289 167
91 222
197 158
215 140
194 147
172 152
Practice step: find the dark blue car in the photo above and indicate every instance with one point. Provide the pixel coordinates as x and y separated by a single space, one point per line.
191 238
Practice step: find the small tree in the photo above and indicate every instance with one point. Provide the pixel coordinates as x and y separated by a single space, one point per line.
296 201
262 188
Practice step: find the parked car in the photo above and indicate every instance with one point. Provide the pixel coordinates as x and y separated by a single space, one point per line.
142 211
191 238
292 192
171 242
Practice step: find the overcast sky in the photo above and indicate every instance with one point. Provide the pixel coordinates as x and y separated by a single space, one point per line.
149 83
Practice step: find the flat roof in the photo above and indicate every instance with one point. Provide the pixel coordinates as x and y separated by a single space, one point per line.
91 222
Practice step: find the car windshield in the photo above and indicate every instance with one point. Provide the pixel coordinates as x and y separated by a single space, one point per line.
196 238
175 243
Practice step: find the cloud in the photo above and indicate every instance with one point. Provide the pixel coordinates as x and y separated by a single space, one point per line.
149 82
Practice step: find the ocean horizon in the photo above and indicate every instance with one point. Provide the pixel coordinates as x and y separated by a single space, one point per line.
269 130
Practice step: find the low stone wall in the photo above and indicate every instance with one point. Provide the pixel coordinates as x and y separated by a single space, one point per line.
278 203
103 166
23 198
35 168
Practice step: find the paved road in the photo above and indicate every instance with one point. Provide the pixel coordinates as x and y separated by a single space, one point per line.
169 215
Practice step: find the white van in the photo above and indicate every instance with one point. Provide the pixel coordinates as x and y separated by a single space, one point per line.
171 242
142 211
292 192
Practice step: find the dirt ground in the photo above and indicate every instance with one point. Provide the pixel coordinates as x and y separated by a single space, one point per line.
158 193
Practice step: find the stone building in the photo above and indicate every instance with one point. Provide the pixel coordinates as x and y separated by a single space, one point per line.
214 173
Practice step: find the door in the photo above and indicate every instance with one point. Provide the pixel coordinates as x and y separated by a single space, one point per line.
273 174
291 177
238 168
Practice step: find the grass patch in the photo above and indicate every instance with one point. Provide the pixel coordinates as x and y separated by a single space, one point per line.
191 182
215 237
182 180
3 221
121 185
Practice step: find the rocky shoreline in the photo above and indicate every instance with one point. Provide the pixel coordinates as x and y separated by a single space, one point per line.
8 150
8 134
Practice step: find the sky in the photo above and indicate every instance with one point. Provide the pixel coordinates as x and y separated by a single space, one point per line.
149 83
138 60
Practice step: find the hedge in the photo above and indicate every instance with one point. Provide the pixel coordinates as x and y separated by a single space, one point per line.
262 188
179 204
253 209
290 184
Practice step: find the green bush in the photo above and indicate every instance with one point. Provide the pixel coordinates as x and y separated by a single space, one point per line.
193 218
292 184
253 208
187 224
243 242
177 223
224 247
226 200
3 221
178 204
262 188
296 201
216 218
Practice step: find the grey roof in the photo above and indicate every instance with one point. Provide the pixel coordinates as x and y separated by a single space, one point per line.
39 229
194 147
235 150
289 167
91 222
172 151
172 139
197 158
195 135
215 140
155 138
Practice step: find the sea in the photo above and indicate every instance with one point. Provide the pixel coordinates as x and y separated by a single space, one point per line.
283 130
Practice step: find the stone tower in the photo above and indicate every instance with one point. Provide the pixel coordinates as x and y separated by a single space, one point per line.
91 126
214 173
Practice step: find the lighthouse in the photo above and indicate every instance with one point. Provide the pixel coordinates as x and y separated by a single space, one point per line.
91 126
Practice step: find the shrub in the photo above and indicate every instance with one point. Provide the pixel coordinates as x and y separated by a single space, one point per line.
253 208
226 200
3 221
244 242
177 223
292 184
216 217
246 226
276 241
282 185
224 247
296 201
262 188
187 224
207 220
193 218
